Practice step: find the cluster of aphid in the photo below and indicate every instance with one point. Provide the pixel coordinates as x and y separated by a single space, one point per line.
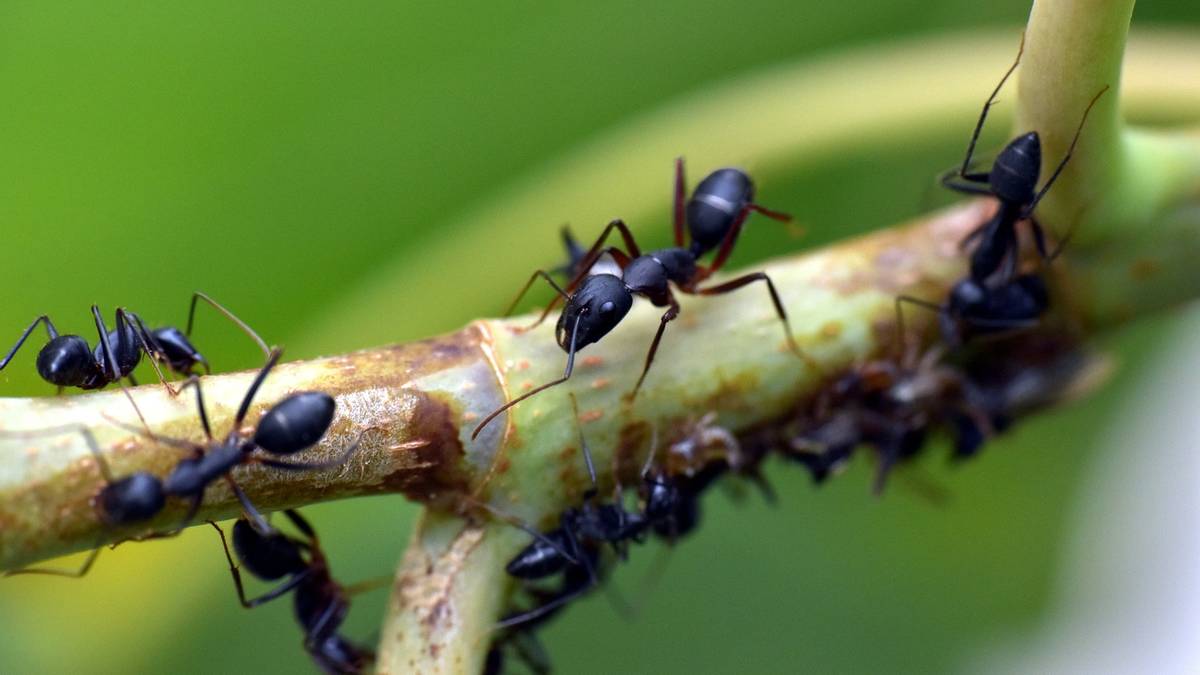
889 405
290 426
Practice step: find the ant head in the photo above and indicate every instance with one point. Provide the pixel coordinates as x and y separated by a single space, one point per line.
66 361
134 498
295 423
715 204
596 308
1015 172
267 556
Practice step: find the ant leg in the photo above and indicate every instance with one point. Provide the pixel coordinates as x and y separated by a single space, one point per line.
251 513
598 249
148 343
771 213
194 381
726 247
321 627
110 362
667 317
526 528
272 359
301 524
680 214
237 578
970 184
1028 210
737 283
20 341
74 574
983 114
566 376
367 586
228 315
525 289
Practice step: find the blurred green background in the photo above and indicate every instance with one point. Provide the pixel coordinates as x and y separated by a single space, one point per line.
280 155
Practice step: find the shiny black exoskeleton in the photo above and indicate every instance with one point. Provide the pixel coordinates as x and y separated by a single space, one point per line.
288 427
292 425
573 548
68 360
596 303
319 601
975 308
1013 181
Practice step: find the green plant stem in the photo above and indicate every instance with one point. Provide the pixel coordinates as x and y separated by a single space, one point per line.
724 354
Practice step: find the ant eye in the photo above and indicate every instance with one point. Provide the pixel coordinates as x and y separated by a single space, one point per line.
606 307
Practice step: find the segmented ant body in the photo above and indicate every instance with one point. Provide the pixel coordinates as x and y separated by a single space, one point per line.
293 424
68 360
320 602
1012 180
596 303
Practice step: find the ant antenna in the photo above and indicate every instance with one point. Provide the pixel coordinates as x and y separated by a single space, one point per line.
587 454
537 390
990 102
272 359
228 315
1062 165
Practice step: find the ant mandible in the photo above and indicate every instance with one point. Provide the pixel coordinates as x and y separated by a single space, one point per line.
68 360
294 424
596 303
320 602
1013 181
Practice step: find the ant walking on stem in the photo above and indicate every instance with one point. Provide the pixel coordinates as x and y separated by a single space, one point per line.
596 303
321 603
68 360
290 426
1013 181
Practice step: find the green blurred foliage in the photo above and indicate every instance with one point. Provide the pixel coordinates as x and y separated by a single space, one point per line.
274 154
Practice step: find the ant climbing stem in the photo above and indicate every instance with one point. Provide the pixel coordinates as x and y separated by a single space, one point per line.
1012 180
597 303
69 361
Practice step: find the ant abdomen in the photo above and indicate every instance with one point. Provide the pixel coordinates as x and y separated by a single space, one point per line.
1015 172
295 423
268 557
66 360
718 200
540 558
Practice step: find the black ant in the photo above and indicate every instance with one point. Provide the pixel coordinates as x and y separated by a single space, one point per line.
1013 181
320 602
573 548
596 303
68 360
288 427
976 308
